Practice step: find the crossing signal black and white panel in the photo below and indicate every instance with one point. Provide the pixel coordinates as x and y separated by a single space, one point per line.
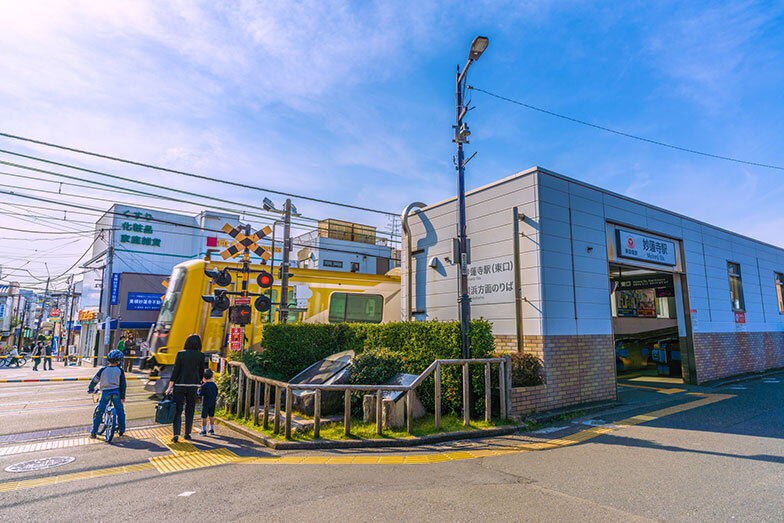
243 242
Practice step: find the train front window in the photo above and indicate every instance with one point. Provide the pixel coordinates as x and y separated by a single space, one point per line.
172 297
355 307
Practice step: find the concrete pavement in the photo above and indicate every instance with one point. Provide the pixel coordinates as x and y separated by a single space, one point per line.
720 460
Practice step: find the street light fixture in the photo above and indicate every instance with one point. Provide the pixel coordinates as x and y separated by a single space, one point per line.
478 47
462 257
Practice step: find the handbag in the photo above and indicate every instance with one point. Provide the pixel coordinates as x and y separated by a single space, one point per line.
164 412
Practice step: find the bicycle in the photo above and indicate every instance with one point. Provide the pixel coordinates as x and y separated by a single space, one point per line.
108 425
7 361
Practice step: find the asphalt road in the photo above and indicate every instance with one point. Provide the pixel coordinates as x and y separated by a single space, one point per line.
716 462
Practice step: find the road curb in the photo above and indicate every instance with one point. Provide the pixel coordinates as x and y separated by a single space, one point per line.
367 443
745 377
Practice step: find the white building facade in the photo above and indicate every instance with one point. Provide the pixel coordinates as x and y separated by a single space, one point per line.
593 281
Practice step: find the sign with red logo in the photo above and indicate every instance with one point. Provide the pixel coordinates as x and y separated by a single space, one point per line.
740 317
235 338
639 246
239 300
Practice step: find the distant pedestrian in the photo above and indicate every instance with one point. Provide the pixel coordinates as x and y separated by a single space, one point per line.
14 356
128 351
185 380
209 396
37 350
48 355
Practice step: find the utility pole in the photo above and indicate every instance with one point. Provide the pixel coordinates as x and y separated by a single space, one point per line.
66 318
100 348
463 256
43 306
284 267
22 325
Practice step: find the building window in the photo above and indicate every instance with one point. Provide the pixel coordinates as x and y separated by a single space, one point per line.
736 287
780 290
332 263
355 307
354 266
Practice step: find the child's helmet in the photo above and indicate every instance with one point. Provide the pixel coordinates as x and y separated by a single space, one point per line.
115 356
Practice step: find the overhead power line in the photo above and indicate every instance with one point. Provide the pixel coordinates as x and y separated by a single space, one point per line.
191 175
167 222
114 188
628 135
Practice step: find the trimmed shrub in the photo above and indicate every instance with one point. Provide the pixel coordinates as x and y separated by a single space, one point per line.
290 348
373 367
526 370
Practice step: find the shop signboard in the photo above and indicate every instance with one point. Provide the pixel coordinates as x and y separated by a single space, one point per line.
235 338
115 287
143 301
646 248
491 281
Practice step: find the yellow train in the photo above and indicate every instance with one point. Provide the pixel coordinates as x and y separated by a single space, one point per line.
318 296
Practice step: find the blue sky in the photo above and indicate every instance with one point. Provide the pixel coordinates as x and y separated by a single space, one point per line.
354 101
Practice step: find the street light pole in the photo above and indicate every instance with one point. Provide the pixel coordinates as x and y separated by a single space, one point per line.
463 256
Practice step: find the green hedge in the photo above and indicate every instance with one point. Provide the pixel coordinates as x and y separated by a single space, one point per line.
290 348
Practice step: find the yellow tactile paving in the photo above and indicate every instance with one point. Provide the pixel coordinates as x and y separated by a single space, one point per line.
187 457
63 478
188 461
181 447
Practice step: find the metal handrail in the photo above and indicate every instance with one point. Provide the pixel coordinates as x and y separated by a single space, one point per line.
245 377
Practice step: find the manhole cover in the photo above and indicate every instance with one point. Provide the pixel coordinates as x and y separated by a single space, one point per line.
40 464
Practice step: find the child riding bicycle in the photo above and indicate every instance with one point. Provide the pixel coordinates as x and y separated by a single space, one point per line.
112 384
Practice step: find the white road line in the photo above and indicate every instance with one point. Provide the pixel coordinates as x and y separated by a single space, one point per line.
185 494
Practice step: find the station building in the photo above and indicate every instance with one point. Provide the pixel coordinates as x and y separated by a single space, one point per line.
606 290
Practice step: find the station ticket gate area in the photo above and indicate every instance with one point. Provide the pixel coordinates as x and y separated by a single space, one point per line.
645 325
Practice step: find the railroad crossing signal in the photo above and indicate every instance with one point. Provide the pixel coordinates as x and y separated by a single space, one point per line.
243 242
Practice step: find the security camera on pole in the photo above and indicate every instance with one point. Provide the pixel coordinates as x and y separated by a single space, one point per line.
462 254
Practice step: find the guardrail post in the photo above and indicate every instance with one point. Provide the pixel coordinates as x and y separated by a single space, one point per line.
379 420
466 406
256 401
488 394
239 392
246 403
410 411
276 422
502 387
347 412
317 415
265 419
438 396
289 402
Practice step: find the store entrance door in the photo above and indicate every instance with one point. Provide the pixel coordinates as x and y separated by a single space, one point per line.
648 328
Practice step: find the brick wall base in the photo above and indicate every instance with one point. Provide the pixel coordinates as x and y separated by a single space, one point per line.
722 354
578 369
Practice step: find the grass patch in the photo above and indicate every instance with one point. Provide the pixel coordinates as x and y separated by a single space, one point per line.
359 431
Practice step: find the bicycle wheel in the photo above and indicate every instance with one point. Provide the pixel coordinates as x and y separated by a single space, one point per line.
21 361
102 424
110 420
